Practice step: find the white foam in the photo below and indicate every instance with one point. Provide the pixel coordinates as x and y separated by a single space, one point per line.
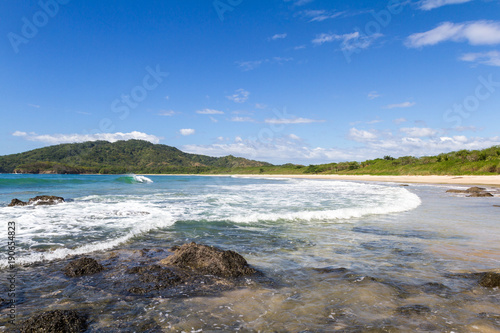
142 179
82 226
101 222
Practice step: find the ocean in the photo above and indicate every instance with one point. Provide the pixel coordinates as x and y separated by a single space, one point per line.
336 255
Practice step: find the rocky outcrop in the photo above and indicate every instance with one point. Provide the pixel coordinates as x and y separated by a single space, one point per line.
473 192
475 189
17 202
38 201
82 266
209 260
56 321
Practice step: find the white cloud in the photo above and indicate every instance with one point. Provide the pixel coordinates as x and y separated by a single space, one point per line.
299 2
278 36
166 113
276 150
325 38
349 42
320 15
475 33
240 96
260 106
242 119
373 95
187 131
287 149
400 120
294 137
209 111
361 135
419 131
19 133
431 4
34 106
84 113
71 138
400 105
491 58
292 121
249 65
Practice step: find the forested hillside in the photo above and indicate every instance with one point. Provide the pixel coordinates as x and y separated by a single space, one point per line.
132 156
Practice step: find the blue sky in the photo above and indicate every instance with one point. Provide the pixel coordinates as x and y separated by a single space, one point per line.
302 81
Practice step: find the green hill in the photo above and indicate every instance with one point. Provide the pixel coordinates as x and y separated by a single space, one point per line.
132 156
462 162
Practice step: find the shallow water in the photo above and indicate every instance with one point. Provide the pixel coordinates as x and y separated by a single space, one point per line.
337 256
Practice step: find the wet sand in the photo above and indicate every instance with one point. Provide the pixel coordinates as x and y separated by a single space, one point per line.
453 180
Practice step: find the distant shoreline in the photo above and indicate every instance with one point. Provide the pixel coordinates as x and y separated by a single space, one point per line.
451 180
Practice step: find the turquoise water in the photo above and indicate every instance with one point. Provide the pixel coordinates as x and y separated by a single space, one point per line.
394 241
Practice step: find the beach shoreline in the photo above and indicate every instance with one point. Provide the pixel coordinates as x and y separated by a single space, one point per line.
448 180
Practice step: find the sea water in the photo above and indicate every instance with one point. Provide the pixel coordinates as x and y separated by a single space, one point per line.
345 256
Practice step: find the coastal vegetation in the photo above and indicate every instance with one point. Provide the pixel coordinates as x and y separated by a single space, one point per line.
142 157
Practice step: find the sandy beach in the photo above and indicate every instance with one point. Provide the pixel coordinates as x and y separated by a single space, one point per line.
453 180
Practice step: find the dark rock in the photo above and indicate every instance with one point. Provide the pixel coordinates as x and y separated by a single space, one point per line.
496 205
475 189
404 185
154 277
17 202
38 200
414 309
456 191
45 200
209 260
82 266
479 194
490 280
434 287
487 315
335 270
56 321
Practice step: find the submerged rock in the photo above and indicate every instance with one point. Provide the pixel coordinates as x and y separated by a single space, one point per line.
209 260
490 280
455 191
56 321
38 200
480 194
414 309
82 266
154 277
